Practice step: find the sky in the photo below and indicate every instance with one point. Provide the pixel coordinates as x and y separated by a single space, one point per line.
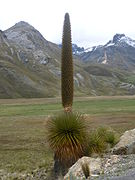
93 22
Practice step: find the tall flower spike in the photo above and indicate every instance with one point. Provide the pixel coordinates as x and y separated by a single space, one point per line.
67 66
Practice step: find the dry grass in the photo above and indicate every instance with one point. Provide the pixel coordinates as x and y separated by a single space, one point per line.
23 144
58 99
119 123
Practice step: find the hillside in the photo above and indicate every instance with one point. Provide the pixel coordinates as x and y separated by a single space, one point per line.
30 67
20 70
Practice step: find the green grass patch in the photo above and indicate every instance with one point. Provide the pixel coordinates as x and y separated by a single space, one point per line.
29 110
92 106
23 143
107 106
130 79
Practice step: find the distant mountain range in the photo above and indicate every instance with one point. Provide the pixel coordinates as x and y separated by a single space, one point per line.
30 65
119 53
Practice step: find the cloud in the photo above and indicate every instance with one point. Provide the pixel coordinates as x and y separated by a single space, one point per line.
92 21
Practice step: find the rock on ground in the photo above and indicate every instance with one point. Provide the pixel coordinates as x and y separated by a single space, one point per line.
126 145
109 167
76 169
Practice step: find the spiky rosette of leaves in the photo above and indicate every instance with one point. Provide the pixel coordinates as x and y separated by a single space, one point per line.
67 66
66 136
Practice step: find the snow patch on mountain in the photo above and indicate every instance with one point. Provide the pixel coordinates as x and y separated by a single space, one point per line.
120 40
104 62
110 43
128 40
88 49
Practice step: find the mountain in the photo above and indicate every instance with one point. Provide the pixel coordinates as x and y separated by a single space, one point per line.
30 67
76 50
118 52
24 62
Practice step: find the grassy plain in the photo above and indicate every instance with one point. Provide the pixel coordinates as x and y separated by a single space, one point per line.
23 144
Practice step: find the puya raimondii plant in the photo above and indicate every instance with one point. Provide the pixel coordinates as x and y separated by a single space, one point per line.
67 66
66 131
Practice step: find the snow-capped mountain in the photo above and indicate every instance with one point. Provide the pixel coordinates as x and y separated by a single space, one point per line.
118 40
118 52
121 40
76 49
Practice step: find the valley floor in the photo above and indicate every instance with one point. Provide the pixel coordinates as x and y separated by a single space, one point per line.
23 143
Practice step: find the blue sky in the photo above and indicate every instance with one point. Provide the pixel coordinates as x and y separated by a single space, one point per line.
93 22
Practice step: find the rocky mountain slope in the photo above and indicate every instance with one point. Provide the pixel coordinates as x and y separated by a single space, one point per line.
118 52
22 62
30 67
